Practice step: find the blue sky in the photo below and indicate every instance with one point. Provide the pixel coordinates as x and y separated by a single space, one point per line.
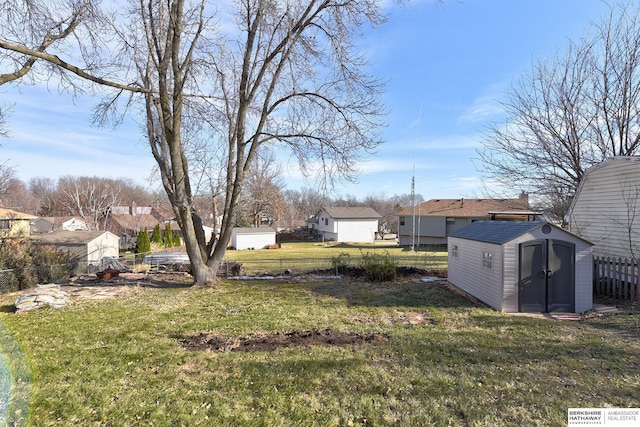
447 64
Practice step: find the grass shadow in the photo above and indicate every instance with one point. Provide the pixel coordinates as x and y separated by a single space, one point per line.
405 293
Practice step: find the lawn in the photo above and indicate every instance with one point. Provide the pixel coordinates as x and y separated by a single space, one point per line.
447 361
304 257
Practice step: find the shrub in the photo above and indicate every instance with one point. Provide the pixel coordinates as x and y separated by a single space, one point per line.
143 244
168 236
156 236
379 268
341 263
31 264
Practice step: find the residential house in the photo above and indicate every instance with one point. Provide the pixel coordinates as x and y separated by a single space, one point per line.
50 223
127 221
252 238
14 223
430 222
86 247
606 207
517 266
347 224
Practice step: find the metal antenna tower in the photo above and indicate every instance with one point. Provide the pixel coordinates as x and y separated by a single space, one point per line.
413 190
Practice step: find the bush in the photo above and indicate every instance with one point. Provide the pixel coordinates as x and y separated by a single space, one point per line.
143 244
168 236
379 268
156 236
341 263
31 264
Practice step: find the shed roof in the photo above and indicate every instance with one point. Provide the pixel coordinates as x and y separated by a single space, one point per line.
71 237
477 208
11 214
352 213
253 230
614 161
498 232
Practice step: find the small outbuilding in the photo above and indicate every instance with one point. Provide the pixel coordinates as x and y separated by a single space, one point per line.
85 247
252 238
522 266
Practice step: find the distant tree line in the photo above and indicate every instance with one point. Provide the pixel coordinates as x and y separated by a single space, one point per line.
265 200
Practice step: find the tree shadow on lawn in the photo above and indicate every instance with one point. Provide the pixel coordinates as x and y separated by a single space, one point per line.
624 325
405 293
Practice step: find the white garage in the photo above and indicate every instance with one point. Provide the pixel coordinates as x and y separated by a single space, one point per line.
252 238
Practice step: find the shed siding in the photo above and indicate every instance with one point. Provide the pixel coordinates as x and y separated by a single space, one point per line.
510 276
106 245
607 208
467 273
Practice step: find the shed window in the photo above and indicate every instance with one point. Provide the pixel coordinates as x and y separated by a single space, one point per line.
5 224
454 251
401 220
487 260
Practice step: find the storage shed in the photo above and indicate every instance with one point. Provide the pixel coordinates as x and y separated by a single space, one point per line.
85 247
522 266
252 238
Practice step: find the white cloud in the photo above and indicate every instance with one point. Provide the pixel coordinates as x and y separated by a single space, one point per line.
483 109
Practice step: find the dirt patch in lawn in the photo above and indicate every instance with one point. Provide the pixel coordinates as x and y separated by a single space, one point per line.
269 342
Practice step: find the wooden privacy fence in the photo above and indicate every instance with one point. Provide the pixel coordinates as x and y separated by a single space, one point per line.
616 278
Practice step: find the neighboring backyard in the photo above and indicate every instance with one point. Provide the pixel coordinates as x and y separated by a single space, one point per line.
406 353
308 257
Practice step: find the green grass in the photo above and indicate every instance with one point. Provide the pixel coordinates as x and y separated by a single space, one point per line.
301 257
119 363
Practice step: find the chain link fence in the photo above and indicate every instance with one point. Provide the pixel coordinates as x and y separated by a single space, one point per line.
327 266
18 279
23 278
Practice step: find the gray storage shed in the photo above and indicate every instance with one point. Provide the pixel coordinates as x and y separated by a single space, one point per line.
522 266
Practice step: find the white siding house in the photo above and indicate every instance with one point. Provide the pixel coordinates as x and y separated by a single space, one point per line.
522 266
606 207
347 224
252 238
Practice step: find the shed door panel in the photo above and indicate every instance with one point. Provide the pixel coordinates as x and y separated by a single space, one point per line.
533 283
561 285
547 276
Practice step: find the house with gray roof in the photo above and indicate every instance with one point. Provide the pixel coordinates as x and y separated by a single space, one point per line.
516 266
348 224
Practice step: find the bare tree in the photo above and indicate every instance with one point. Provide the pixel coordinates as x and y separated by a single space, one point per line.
262 195
306 202
44 191
91 198
289 75
569 114
19 198
7 175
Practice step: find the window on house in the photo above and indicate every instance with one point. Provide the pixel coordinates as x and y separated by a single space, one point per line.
401 221
454 251
326 221
5 224
487 260
451 221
